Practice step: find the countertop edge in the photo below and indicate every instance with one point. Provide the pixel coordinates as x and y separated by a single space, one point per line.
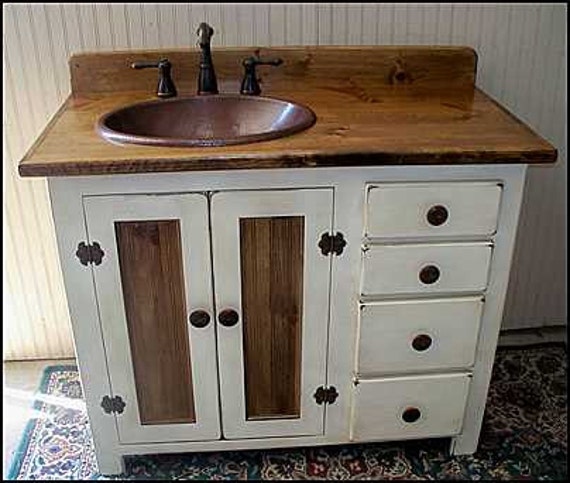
520 122
321 160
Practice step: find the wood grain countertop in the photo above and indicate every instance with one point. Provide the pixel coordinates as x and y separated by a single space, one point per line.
431 113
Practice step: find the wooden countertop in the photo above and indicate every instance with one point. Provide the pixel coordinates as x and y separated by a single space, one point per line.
366 116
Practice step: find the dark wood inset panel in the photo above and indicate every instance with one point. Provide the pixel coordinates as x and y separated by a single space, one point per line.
272 305
150 257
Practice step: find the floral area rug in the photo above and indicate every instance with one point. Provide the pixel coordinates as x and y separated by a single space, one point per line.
524 436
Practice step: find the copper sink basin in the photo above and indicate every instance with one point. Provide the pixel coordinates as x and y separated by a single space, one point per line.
214 120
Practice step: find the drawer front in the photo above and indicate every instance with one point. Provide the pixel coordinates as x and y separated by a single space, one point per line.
407 408
432 209
411 269
414 336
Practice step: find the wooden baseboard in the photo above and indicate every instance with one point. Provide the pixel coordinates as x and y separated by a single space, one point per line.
523 337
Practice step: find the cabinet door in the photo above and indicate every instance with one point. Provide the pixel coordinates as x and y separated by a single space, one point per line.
272 305
154 273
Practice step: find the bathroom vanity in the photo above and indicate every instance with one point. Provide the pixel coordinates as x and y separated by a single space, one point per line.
344 284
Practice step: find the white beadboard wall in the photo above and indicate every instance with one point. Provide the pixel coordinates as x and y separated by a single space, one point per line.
522 63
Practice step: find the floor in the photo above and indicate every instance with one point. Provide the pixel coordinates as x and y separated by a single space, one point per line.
21 379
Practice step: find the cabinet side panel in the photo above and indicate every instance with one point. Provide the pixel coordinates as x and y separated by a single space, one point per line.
150 258
272 301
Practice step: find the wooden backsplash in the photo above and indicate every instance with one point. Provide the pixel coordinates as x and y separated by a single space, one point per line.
447 69
521 62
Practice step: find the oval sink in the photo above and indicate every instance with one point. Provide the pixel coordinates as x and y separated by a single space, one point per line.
215 120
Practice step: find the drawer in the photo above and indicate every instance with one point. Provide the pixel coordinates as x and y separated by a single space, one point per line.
432 209
414 336
409 407
433 268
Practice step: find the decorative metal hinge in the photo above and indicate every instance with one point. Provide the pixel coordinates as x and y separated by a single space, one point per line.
325 395
334 244
113 405
89 253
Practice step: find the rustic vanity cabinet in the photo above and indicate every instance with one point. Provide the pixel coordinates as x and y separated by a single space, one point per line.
342 285
263 309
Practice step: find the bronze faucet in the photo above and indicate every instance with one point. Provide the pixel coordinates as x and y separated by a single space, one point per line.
250 84
166 87
207 83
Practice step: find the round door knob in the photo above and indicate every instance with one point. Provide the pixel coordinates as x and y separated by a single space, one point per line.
429 274
411 415
199 318
421 342
437 215
228 317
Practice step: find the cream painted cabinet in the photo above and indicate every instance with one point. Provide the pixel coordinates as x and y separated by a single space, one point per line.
194 354
425 272
154 273
292 307
271 276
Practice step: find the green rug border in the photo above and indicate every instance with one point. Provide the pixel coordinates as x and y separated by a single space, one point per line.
18 455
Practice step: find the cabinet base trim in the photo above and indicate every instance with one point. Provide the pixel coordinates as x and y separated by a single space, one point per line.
249 444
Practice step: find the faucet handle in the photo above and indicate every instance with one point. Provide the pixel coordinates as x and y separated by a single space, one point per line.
256 60
166 87
205 33
250 84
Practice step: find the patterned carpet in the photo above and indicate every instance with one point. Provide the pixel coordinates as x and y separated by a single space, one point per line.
524 436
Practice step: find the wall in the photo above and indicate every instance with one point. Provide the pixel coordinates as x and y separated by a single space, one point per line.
522 63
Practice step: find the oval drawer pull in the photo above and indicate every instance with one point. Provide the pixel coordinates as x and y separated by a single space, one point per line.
429 274
228 317
199 318
437 215
411 415
422 342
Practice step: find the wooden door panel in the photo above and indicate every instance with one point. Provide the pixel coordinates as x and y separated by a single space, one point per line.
272 304
155 272
150 258
269 270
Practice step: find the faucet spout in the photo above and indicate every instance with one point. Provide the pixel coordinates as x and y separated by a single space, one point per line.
207 82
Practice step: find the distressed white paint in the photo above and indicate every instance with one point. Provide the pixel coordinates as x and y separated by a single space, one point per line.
522 63
380 403
395 269
191 211
400 210
348 214
316 208
388 329
495 295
